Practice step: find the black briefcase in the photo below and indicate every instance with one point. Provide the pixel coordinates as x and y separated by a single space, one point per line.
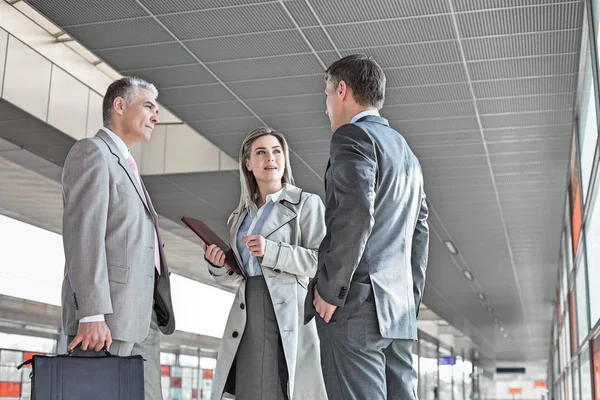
66 377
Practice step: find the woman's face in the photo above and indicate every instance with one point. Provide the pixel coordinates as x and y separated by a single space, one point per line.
267 161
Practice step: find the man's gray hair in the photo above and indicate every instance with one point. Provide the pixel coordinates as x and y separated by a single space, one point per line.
126 88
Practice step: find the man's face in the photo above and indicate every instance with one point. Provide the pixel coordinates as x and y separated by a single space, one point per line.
334 106
141 115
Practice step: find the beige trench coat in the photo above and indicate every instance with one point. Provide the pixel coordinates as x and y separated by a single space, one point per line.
293 233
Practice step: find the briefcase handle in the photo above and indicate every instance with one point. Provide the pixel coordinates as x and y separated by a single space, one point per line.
106 352
69 353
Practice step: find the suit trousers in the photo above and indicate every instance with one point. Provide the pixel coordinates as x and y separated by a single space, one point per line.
149 349
359 364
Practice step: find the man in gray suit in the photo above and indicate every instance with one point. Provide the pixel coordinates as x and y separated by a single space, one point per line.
116 291
372 261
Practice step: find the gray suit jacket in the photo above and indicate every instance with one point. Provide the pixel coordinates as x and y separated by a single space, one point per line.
108 236
377 235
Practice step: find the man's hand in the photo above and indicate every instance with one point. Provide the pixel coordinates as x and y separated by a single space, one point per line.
324 309
256 245
92 336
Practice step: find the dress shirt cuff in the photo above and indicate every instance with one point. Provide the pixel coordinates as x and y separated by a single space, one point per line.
92 318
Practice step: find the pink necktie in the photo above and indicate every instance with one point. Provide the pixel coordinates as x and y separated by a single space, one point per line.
134 168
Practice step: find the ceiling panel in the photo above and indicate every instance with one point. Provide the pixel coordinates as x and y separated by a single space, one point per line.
506 21
253 45
523 67
64 13
533 44
411 54
227 21
177 76
386 10
391 32
182 6
261 68
194 95
123 59
120 33
230 109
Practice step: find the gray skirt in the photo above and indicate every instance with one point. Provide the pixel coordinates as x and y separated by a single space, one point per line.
261 370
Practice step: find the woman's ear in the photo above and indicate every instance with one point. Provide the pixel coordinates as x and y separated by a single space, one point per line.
248 165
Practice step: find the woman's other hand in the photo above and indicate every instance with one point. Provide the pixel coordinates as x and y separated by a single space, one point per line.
256 245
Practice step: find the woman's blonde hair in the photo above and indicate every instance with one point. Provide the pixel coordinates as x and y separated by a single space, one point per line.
249 187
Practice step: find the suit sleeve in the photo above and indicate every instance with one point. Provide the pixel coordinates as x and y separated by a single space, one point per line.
354 170
85 184
420 252
300 260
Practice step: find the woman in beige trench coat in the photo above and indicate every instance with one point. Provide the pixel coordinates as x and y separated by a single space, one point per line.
275 233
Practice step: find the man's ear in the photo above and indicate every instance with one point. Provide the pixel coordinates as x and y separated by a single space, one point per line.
342 90
119 105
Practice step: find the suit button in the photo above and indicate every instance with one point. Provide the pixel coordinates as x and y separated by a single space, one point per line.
277 270
242 306
235 334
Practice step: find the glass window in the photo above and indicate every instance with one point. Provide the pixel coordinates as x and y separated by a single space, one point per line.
586 375
574 197
592 232
588 125
573 320
582 305
429 370
575 380
445 371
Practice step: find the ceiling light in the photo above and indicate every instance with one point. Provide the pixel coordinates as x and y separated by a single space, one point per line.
450 246
481 296
496 319
490 310
468 275
502 328
506 335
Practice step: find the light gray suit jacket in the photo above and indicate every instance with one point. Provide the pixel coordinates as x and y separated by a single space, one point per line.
108 236
377 239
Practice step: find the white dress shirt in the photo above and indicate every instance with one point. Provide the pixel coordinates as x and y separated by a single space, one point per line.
251 264
364 114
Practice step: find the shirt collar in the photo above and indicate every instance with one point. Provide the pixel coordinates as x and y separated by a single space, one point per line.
275 196
364 114
118 141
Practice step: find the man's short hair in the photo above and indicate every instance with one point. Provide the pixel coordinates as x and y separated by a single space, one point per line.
126 88
363 75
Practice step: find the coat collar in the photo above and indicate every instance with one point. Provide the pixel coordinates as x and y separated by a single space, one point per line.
114 149
374 118
291 194
279 216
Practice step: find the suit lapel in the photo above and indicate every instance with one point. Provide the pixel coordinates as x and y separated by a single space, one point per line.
125 165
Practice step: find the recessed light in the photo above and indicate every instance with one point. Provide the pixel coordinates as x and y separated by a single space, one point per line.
502 328
506 335
490 310
496 319
481 296
450 246
468 275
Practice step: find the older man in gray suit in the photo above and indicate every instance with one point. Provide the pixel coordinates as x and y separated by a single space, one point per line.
372 261
116 291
